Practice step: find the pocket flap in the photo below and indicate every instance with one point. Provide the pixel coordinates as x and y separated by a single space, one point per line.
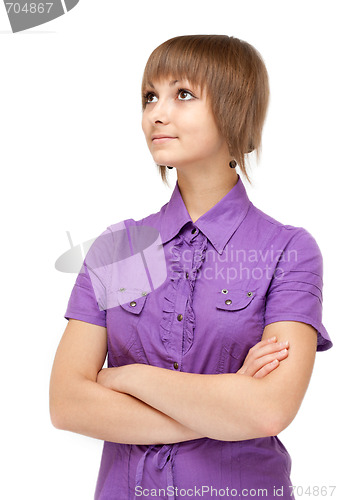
234 300
132 300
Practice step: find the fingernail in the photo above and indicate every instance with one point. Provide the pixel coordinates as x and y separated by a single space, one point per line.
284 344
275 362
272 339
284 351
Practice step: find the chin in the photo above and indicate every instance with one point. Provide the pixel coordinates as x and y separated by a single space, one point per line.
163 160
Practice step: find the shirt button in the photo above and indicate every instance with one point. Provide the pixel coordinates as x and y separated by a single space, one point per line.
187 275
176 366
194 230
228 302
133 303
179 317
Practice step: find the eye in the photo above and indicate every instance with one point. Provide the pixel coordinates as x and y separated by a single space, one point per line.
149 97
185 94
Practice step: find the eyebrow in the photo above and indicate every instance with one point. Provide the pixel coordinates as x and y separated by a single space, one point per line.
173 82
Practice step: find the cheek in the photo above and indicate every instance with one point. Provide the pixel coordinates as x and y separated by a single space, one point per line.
146 124
203 139
201 131
211 137
143 124
193 131
146 131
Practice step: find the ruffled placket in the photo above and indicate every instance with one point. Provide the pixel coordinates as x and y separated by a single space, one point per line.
177 273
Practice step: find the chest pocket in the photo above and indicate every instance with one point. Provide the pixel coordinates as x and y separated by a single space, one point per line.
125 346
239 315
233 300
133 301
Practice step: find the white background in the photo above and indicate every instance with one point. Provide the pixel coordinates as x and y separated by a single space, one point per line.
73 158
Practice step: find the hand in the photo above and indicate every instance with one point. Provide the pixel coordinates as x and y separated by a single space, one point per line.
263 358
111 378
103 378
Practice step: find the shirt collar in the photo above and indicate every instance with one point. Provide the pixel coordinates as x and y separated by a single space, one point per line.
217 224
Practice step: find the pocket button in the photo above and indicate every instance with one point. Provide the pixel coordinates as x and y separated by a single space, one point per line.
237 299
135 306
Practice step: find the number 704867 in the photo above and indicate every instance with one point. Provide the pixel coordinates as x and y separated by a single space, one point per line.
313 491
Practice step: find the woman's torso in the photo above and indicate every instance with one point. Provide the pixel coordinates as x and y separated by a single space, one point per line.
192 297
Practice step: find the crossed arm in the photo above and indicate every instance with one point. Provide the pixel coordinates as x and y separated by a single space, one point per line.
142 404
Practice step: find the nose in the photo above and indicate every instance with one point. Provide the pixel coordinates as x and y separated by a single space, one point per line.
160 112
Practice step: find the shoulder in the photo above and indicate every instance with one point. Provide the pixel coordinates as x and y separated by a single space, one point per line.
142 232
268 221
280 245
152 220
116 241
286 236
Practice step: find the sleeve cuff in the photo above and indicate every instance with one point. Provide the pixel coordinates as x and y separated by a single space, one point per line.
323 340
87 318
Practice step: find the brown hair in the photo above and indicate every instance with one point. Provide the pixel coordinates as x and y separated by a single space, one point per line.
235 78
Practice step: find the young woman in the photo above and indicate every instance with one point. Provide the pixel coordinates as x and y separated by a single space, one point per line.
210 310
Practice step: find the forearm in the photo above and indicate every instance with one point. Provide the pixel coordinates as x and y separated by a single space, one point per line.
88 408
227 407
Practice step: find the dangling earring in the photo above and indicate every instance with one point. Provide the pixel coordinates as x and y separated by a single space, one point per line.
232 164
168 166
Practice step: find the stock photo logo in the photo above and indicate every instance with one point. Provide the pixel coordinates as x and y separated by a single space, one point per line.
124 263
23 15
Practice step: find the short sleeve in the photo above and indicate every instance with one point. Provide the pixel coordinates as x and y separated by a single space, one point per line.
83 303
295 291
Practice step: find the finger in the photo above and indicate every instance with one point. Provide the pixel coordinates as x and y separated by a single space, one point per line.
269 348
268 358
263 342
257 364
266 369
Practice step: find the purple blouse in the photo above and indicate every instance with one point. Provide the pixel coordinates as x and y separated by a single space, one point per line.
196 297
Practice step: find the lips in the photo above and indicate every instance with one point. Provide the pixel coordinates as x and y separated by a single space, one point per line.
158 139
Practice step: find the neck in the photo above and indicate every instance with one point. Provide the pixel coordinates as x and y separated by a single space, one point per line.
200 193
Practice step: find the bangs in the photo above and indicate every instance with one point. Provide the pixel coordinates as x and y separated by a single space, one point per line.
177 59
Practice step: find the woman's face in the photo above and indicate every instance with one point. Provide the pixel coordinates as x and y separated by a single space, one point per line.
182 116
